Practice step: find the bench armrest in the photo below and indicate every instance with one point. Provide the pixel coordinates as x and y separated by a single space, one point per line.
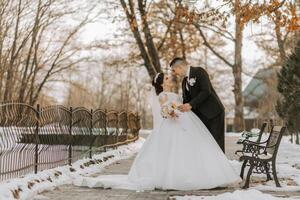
252 142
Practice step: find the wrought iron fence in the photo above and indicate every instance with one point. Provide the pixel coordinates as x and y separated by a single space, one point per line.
35 138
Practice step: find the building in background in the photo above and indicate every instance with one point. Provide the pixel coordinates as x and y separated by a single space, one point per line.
260 97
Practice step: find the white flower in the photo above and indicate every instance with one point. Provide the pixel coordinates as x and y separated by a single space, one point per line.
192 81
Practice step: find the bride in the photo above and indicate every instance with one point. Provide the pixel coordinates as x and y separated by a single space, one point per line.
180 153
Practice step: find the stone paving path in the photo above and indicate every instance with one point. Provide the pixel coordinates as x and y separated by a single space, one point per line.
70 192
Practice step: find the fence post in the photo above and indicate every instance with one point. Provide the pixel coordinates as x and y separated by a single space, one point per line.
127 126
70 133
117 132
91 132
138 119
105 130
36 152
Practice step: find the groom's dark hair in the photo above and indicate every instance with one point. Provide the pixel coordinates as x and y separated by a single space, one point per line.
175 60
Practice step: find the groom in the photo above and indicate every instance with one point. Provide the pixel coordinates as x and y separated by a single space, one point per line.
200 97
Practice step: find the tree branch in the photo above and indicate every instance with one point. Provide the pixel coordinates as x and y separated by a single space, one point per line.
206 43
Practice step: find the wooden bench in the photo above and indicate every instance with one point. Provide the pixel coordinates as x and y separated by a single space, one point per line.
260 156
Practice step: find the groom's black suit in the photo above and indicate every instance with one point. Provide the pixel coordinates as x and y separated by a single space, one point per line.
205 102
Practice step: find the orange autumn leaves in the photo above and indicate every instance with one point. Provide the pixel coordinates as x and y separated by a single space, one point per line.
283 12
294 21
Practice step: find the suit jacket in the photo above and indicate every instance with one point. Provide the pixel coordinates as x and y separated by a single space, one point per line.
201 95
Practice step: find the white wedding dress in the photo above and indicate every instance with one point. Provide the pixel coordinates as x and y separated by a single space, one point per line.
179 154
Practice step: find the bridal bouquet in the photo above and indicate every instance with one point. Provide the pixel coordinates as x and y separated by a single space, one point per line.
170 110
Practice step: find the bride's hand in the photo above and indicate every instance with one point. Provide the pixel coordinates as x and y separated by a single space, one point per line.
185 107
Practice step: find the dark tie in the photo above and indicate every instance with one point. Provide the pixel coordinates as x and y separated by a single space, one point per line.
186 83
184 87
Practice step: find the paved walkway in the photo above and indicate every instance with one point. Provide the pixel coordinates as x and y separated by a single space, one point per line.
70 192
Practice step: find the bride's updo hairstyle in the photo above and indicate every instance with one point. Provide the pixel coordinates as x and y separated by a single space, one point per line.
157 82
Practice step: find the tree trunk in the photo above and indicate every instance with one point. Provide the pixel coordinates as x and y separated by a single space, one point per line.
279 39
148 36
292 137
150 57
239 123
183 53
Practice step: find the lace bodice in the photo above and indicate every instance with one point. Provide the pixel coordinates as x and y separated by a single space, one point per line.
169 98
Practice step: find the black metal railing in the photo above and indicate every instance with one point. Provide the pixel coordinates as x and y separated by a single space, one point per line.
35 138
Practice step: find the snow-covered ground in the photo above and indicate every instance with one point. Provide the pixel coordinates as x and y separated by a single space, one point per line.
236 195
288 163
288 168
25 188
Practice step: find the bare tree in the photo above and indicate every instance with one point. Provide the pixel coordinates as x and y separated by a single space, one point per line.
36 47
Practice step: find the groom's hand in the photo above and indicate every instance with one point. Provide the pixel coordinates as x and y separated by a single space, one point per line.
185 107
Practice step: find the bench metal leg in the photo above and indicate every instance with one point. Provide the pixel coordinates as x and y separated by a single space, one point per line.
243 169
267 172
248 176
275 174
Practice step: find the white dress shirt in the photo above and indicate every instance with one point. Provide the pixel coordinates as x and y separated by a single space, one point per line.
188 76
